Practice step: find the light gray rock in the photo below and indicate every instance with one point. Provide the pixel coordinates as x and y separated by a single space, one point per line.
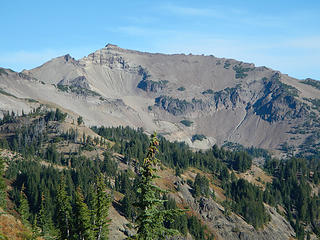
226 100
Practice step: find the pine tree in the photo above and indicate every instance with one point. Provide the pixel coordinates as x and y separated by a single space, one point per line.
3 185
44 218
23 208
101 204
63 211
151 216
82 224
35 229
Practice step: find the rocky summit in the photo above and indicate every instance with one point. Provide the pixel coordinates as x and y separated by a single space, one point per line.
201 100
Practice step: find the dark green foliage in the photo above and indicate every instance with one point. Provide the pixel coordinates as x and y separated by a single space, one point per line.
8 118
290 90
312 82
198 137
128 187
3 72
315 103
63 88
290 186
197 230
40 179
3 186
201 186
208 91
109 166
240 71
82 224
55 116
187 123
79 120
181 89
179 222
6 93
133 143
64 211
78 90
143 72
150 220
248 201
100 205
44 217
31 100
252 151
127 206
291 189
23 208
52 155
241 161
226 64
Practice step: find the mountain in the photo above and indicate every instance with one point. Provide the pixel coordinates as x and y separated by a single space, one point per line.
202 100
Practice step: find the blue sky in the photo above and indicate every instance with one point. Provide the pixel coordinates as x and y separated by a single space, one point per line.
283 35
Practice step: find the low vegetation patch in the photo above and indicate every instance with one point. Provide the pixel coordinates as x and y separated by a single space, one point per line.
6 93
78 90
312 82
2 71
187 123
198 137
226 64
241 71
208 91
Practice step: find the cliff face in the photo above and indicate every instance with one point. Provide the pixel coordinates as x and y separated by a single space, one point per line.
226 100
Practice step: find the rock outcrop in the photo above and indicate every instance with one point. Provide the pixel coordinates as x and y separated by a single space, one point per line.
232 226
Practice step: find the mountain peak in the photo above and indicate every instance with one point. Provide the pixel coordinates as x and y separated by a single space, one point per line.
111 46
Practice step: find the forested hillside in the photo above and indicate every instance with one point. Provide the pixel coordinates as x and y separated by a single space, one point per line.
62 179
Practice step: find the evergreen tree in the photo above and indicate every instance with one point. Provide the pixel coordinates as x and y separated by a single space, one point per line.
101 204
3 185
63 211
151 216
44 218
201 186
35 229
82 225
23 208
79 120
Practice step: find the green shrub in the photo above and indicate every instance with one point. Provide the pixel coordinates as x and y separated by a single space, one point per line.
199 137
187 123
208 91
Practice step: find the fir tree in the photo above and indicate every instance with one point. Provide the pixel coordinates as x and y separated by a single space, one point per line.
44 218
35 229
82 224
63 211
151 215
2 185
101 204
23 208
